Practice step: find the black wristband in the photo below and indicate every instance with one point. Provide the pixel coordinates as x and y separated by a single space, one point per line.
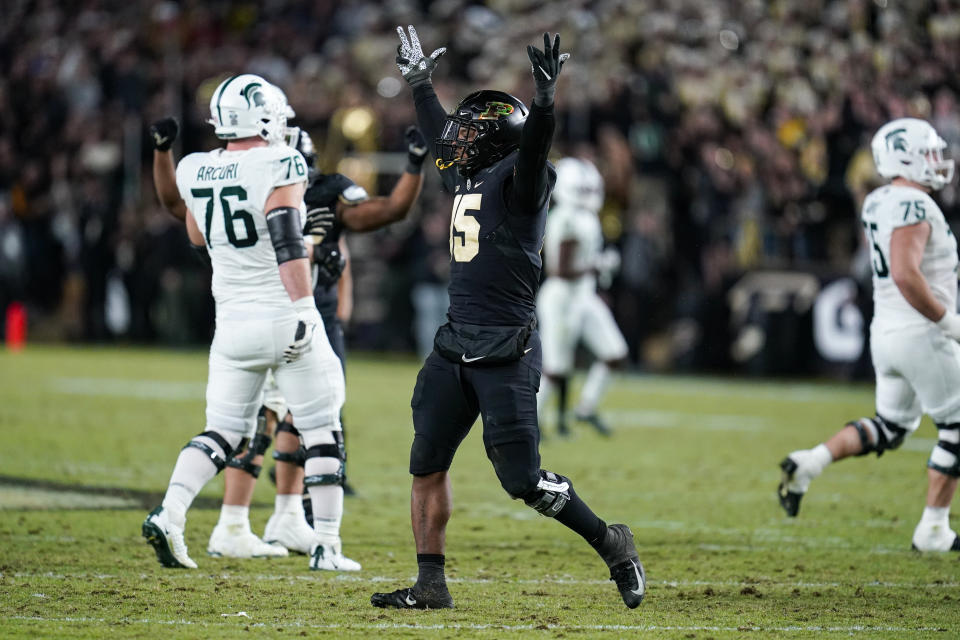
415 169
286 233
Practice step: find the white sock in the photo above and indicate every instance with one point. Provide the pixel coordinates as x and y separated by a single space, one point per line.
936 516
192 471
291 503
593 388
233 514
820 457
546 390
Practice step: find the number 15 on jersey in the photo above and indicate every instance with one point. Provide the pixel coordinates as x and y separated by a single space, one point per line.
465 229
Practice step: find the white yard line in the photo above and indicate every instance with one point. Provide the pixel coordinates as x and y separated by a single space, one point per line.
760 581
456 626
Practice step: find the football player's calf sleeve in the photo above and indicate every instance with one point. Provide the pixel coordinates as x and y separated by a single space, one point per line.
286 234
193 470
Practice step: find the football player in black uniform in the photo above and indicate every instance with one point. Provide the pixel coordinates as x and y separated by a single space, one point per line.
492 155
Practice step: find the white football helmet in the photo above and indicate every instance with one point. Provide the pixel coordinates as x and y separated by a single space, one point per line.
910 148
579 185
246 106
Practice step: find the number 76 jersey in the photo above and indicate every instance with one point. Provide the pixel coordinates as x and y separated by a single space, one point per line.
225 192
884 210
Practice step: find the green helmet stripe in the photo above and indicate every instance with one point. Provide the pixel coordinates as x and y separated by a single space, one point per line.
220 95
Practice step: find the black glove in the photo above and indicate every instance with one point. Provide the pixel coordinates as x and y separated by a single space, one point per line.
415 67
416 149
330 263
546 67
319 222
164 133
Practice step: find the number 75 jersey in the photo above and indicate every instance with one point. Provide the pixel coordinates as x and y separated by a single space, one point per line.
884 210
225 192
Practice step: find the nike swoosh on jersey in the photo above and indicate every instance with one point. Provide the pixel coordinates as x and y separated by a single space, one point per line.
466 359
528 350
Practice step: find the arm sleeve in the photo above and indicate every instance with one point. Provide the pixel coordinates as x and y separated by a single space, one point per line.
430 117
531 179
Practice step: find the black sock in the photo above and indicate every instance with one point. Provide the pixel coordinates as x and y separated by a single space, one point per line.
431 571
576 515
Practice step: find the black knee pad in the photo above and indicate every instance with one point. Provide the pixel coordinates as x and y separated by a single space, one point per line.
550 495
297 457
426 458
890 435
517 465
334 450
945 449
258 446
218 461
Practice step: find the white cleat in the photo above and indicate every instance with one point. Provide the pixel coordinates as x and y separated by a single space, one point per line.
237 541
291 531
327 556
167 540
927 537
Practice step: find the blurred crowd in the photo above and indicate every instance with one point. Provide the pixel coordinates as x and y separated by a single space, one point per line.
733 135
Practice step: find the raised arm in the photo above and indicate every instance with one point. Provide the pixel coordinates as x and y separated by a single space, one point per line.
379 212
531 182
417 69
164 133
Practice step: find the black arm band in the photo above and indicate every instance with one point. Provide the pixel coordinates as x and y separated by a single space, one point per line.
286 233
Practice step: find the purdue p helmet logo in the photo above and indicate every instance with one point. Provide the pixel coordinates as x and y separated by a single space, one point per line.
495 110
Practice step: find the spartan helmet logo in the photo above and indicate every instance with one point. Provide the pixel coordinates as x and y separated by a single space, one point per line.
896 140
253 95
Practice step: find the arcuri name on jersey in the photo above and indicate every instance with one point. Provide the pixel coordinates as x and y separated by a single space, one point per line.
226 172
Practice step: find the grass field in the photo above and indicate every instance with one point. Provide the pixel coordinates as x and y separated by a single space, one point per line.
88 438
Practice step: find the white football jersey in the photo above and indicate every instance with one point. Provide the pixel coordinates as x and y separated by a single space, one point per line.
570 223
886 209
225 192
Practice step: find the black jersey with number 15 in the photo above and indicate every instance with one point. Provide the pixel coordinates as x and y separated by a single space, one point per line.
495 258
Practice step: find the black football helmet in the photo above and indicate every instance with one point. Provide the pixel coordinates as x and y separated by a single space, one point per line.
484 128
300 140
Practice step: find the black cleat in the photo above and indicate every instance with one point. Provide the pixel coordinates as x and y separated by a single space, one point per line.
789 500
407 599
594 421
348 490
620 554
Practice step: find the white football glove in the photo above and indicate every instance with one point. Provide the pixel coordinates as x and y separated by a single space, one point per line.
415 67
308 319
950 325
